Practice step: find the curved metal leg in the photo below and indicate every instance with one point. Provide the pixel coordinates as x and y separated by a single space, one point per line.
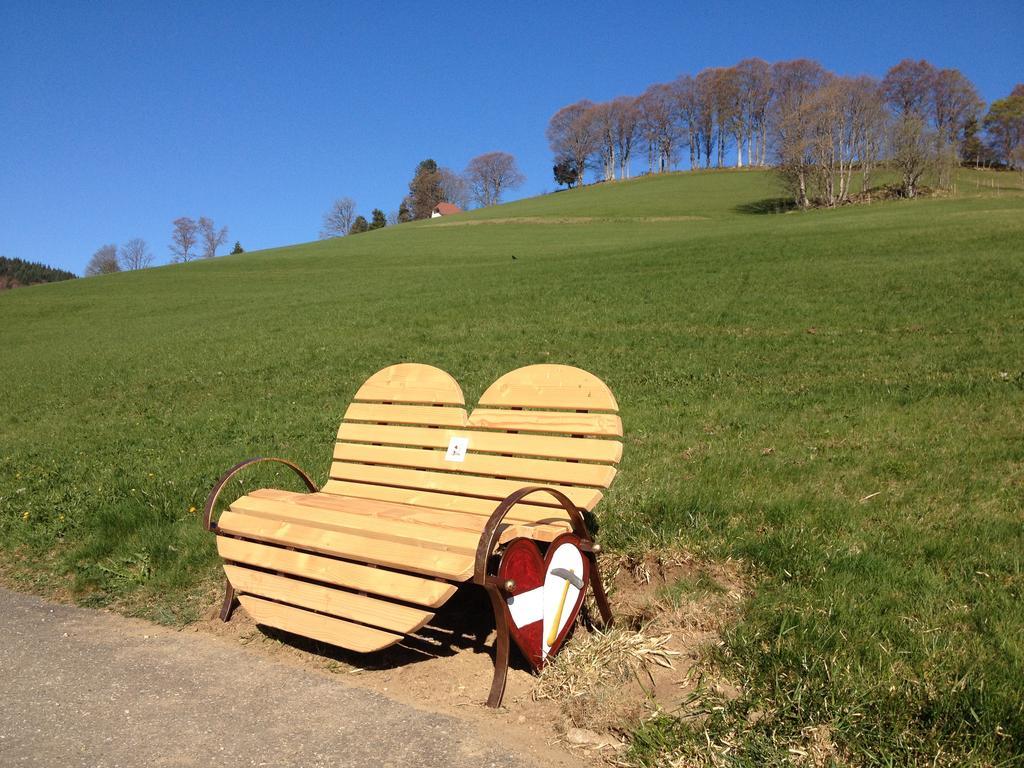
600 596
501 649
481 575
230 601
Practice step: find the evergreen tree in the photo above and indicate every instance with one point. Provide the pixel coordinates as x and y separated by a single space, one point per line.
566 172
379 220
426 189
404 214
16 272
359 225
238 248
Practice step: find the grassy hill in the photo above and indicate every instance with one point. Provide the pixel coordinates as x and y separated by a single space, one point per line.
836 397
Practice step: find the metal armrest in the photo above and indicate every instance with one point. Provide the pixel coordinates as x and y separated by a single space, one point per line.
489 537
211 500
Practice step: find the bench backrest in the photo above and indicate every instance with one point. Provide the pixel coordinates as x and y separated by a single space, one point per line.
540 425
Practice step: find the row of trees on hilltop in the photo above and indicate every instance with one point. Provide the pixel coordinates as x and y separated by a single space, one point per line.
190 239
134 254
815 126
484 182
342 219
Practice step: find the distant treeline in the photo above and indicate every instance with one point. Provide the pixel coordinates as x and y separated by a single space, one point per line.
814 126
16 272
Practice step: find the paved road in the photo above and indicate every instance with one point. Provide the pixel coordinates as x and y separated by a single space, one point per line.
85 688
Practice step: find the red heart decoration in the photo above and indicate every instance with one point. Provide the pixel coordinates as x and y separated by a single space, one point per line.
539 598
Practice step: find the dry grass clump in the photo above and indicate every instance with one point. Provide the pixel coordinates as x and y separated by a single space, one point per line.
668 607
589 676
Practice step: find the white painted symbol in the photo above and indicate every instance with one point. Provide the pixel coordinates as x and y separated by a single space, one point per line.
567 556
526 607
457 448
553 601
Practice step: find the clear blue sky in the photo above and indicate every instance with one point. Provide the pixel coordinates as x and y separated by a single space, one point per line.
115 118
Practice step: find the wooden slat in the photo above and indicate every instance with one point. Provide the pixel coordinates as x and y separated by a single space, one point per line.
336 602
551 471
401 586
326 629
564 422
510 529
385 509
487 487
412 383
413 533
522 513
420 415
580 449
392 554
550 386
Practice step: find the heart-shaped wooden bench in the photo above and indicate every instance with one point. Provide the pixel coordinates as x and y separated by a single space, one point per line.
421 497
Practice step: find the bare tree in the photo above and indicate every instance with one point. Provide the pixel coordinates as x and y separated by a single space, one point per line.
605 146
684 91
490 175
704 92
647 130
213 238
103 262
755 97
626 120
850 124
835 112
793 120
907 88
912 150
659 126
135 254
954 102
870 121
571 135
729 112
455 188
183 239
338 220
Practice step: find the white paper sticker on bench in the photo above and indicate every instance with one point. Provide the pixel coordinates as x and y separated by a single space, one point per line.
457 448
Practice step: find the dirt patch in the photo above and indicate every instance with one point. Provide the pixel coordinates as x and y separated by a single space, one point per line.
667 610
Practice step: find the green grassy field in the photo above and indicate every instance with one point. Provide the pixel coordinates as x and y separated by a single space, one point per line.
836 397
